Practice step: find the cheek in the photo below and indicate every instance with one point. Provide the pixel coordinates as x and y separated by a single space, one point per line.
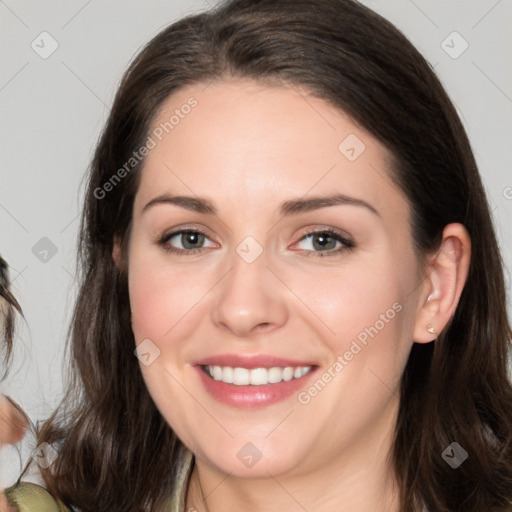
164 298
156 299
147 299
365 315
347 301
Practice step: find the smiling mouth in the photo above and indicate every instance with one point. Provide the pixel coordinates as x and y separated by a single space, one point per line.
255 376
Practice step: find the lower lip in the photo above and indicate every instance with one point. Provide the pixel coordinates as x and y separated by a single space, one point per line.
252 396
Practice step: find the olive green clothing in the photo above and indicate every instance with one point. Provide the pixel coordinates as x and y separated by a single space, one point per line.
28 497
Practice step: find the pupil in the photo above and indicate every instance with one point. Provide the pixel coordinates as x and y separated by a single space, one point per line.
191 240
324 242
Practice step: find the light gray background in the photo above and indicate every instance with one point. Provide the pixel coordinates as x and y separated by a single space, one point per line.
52 111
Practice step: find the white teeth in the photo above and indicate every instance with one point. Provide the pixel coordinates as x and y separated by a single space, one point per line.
227 375
217 372
256 376
288 373
240 376
275 375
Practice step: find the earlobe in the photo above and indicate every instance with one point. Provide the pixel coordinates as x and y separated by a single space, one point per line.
447 271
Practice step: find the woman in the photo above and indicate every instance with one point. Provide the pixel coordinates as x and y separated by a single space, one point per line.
285 224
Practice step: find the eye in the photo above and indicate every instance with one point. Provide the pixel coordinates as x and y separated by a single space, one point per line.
324 243
185 241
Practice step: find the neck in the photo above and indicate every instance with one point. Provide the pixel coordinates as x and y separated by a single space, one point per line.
358 479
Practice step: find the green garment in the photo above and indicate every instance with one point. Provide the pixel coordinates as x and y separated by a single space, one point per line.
28 497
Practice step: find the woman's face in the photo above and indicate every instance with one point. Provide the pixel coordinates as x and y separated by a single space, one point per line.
258 169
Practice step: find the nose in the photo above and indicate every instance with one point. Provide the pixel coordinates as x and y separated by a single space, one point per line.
250 299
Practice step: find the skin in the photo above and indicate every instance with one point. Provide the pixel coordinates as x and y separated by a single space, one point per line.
247 148
12 423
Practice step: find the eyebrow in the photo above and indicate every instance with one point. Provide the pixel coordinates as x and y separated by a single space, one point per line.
290 207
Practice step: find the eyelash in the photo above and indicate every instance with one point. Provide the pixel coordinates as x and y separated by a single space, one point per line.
347 244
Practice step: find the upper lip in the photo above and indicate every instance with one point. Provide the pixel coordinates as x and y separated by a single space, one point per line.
250 361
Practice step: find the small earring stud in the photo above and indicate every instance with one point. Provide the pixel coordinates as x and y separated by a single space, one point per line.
430 329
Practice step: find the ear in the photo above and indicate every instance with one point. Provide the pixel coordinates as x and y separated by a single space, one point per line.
447 271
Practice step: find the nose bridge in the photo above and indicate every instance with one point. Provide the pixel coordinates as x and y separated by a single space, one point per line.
248 298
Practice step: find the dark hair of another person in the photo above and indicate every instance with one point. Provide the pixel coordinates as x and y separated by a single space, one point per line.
116 452
8 307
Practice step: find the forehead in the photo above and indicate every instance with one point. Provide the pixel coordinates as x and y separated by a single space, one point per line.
262 144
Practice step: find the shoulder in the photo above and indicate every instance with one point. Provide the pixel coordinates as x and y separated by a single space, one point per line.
29 497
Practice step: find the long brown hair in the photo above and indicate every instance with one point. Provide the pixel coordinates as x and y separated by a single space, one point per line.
108 431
